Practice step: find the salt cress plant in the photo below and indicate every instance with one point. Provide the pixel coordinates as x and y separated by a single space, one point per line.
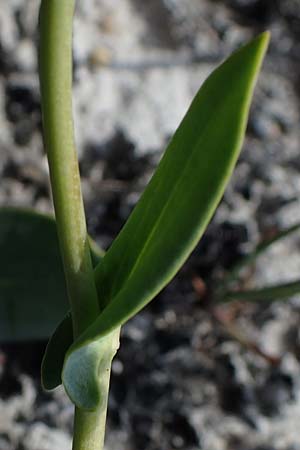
161 232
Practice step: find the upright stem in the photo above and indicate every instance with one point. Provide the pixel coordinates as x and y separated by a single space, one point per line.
56 18
89 427
55 66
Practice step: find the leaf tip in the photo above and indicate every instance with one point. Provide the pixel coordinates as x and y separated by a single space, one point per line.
261 43
48 378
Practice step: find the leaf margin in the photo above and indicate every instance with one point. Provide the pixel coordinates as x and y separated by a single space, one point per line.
94 332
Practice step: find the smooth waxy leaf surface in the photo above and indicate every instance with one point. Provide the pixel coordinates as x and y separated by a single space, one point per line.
53 360
33 296
175 208
95 359
83 375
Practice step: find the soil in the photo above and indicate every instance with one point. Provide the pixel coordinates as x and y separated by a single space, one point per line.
190 374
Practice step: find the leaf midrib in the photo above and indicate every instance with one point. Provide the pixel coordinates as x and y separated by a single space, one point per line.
171 196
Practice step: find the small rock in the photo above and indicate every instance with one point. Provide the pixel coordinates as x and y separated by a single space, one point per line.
276 391
40 437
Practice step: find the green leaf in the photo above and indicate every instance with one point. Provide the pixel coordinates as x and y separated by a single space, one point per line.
94 361
83 375
55 353
269 293
33 295
259 250
175 208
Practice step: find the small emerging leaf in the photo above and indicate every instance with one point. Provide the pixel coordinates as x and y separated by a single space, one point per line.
259 250
175 208
55 353
269 293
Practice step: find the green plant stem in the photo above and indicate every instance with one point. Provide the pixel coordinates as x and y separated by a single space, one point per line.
89 427
55 65
56 18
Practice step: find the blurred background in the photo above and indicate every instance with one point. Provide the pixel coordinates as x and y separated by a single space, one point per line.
190 374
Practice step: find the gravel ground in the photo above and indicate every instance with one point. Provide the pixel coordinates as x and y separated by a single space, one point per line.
184 376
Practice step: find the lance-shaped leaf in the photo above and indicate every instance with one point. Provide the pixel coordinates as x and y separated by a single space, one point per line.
33 296
175 208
